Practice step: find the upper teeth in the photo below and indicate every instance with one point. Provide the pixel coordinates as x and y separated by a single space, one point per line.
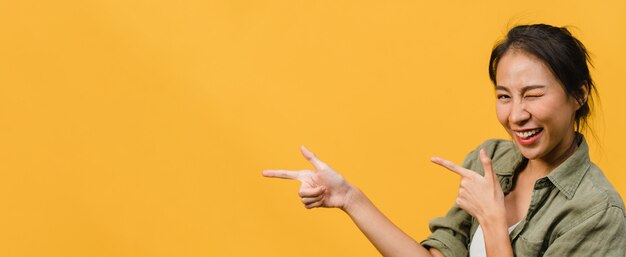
528 133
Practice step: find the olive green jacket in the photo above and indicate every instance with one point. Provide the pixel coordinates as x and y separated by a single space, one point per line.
574 211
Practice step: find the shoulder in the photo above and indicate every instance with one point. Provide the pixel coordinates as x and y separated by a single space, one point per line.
498 148
503 153
594 201
596 190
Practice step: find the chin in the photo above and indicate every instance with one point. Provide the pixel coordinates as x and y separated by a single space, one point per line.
529 154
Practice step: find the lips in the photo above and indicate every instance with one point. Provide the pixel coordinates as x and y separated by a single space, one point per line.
527 137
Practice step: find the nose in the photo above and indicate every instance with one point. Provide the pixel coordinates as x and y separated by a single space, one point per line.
519 115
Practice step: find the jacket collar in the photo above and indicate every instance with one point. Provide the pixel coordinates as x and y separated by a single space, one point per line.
567 176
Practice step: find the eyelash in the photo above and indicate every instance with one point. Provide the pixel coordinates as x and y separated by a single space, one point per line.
507 97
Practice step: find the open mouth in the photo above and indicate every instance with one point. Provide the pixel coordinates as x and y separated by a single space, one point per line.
528 136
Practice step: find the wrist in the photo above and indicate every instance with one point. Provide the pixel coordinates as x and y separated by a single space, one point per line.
496 235
493 219
352 200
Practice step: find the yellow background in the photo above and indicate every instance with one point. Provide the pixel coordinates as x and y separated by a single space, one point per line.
140 128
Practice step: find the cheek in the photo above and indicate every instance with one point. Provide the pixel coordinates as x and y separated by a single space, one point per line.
542 111
502 113
556 118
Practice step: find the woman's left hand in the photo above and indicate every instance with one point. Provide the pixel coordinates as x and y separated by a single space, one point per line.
480 196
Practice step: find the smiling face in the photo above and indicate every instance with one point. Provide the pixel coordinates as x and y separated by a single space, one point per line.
533 107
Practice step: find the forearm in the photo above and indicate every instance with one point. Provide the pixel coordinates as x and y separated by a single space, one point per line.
384 235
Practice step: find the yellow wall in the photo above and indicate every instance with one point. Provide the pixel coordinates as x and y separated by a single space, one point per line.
140 128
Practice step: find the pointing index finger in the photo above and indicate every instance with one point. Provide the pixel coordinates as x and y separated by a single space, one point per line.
286 174
450 166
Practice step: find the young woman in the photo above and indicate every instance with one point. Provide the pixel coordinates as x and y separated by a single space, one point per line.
535 195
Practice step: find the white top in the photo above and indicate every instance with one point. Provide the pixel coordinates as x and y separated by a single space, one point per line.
477 247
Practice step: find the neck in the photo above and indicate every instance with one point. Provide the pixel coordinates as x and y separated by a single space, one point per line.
562 151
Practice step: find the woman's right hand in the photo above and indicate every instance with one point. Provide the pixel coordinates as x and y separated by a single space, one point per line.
322 187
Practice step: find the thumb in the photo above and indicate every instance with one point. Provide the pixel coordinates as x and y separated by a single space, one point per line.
312 158
487 167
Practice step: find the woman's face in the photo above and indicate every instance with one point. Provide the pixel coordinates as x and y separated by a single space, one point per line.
533 107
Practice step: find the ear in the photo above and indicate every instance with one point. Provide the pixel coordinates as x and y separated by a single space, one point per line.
584 87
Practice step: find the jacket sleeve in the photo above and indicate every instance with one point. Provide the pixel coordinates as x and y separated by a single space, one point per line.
450 233
601 234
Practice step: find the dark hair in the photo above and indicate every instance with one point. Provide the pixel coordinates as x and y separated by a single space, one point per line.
565 55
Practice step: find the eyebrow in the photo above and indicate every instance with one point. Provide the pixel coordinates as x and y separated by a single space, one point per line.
524 89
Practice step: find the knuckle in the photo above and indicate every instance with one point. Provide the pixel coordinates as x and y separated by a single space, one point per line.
303 193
